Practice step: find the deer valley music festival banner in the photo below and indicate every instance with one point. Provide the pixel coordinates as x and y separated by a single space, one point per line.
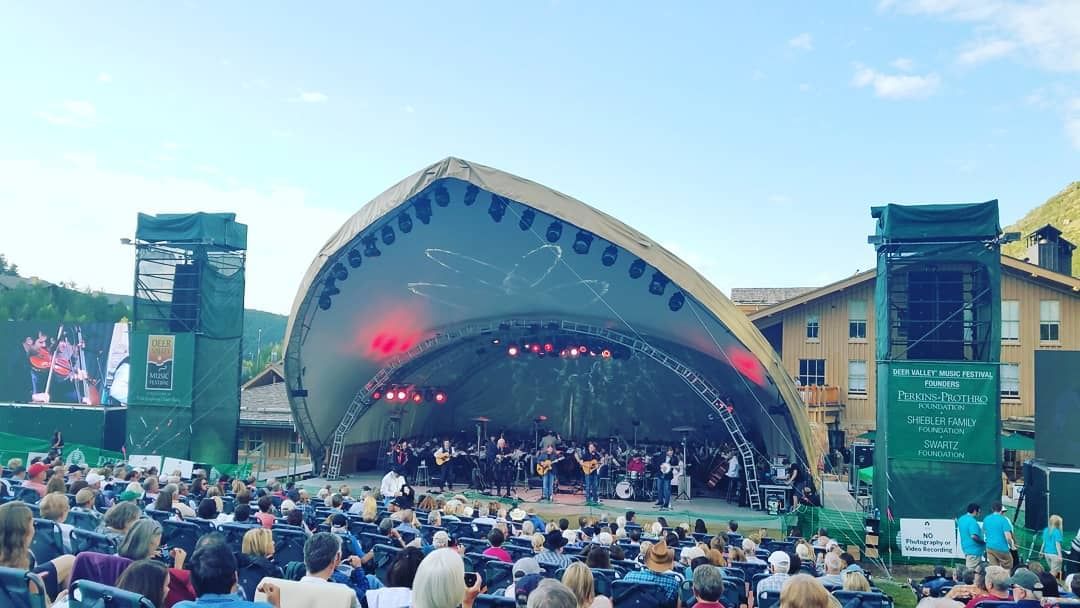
161 368
943 411
68 363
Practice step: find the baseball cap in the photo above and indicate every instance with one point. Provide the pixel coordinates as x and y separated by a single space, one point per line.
524 586
93 478
526 566
691 553
36 469
1025 578
779 558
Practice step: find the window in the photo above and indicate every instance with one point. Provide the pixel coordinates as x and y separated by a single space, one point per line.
856 377
1010 320
813 327
856 319
1049 320
1010 380
296 445
254 441
812 372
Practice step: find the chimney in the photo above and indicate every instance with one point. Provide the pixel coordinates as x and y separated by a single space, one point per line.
1046 249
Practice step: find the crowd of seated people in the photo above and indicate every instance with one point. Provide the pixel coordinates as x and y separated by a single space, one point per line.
193 543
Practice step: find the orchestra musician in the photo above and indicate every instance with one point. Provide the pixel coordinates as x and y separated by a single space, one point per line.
665 464
590 466
490 450
444 461
502 467
545 462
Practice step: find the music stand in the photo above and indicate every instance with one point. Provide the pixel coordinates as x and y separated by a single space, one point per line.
684 491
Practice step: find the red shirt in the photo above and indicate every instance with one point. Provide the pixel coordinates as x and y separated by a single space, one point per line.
498 553
986 597
266 519
36 486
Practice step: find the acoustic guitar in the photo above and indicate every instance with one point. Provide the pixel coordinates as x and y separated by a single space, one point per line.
544 466
444 457
590 466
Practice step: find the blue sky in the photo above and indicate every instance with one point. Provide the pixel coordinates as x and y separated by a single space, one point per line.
751 140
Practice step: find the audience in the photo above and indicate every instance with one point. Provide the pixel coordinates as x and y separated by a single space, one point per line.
16 534
265 516
496 539
257 551
779 565
996 586
708 587
804 591
552 552
322 556
118 519
659 559
54 507
148 578
399 581
213 575
550 593
855 580
440 582
579 579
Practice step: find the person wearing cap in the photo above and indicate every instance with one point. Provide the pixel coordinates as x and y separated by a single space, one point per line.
523 567
779 564
659 560
36 478
552 553
84 503
525 587
971 536
1025 585
998 531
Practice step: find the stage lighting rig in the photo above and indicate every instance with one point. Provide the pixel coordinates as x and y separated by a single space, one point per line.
637 268
676 302
497 209
355 258
404 222
423 210
554 232
371 247
527 218
470 195
442 196
611 252
388 235
658 284
582 242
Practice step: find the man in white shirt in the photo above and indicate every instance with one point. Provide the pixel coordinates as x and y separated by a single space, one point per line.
322 555
732 475
391 484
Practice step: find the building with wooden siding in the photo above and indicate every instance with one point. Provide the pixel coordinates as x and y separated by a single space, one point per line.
825 338
268 437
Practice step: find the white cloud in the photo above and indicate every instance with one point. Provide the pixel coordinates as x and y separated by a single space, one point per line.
104 78
903 64
310 97
986 50
1072 122
100 206
895 86
70 114
803 42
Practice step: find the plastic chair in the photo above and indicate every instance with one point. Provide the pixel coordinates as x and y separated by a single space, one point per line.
83 520
876 599
498 575
686 593
384 557
428 533
369 540
757 579
161 516
48 541
27 495
517 552
602 580
234 535
15 589
459 530
629 594
288 546
768 599
473 545
88 594
485 600
632 551
85 540
248 577
474 562
180 534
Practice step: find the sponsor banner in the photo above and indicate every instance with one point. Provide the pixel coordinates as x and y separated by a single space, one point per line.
161 368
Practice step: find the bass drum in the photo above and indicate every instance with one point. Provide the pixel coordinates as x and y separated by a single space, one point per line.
624 490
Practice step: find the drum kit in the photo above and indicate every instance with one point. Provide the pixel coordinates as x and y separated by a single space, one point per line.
638 481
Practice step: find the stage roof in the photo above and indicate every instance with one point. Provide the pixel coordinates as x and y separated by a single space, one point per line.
469 286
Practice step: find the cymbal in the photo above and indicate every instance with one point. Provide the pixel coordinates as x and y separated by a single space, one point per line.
684 429
481 419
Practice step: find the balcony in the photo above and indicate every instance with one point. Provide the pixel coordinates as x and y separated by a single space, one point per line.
822 403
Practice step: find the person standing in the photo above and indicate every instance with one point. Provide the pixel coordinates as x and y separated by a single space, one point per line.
591 460
732 475
971 536
445 454
548 478
502 467
667 465
1053 537
999 538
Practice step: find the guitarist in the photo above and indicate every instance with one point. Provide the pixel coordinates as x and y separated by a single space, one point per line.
502 467
590 465
667 463
545 467
444 461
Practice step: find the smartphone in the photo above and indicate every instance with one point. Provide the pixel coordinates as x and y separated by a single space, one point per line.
470 579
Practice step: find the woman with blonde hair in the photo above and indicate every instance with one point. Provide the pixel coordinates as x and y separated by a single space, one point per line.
643 551
16 533
1053 538
804 591
238 487
656 529
855 581
257 551
439 582
579 579
527 528
56 485
371 509
537 542
735 554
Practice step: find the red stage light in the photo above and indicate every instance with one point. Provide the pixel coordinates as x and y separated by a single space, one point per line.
573 352
583 349
440 397
549 347
376 395
390 395
512 351
605 353
417 398
535 348
401 395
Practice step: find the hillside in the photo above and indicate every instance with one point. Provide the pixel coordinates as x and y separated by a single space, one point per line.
1062 211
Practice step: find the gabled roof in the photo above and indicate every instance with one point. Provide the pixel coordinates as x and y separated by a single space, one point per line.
1033 271
766 295
266 405
273 373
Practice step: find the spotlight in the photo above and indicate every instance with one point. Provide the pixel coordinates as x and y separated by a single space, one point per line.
376 395
573 352
355 258
582 242
534 348
526 220
325 302
339 271
401 394
676 302
388 235
330 289
605 353
637 268
495 340
470 194
512 350
440 397
417 397
429 394
608 257
423 209
442 196
404 222
498 208
583 349
549 347
658 284
554 232
371 248
390 394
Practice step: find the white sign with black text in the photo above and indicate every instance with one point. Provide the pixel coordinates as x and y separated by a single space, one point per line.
929 538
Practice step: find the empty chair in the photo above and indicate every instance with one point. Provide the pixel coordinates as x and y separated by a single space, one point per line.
473 545
90 594
83 520
498 575
288 546
48 541
180 534
384 557
369 540
85 540
628 594
769 599
15 589
602 580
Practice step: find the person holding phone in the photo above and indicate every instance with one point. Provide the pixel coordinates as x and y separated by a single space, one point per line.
441 582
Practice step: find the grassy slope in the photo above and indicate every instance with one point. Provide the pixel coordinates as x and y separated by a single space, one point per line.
1062 211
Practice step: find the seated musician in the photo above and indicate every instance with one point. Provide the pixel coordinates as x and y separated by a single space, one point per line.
444 457
545 467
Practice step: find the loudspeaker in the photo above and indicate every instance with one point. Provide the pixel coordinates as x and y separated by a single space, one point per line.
934 330
1035 515
1050 490
863 455
185 298
1057 407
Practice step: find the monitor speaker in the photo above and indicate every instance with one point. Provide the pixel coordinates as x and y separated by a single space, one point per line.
863 455
1057 407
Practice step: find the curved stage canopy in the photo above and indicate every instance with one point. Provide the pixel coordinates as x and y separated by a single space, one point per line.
430 284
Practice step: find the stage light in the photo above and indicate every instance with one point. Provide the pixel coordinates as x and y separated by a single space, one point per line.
658 284
549 347
534 348
582 242
371 248
329 288
495 340
388 235
404 222
423 210
390 394
417 397
583 349
676 302
605 353
573 352
401 395
554 232
442 196
376 395
325 302
355 258
526 220
637 268
497 209
470 194
512 350
611 252
440 397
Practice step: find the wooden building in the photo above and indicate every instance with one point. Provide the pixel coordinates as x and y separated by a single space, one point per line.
825 338
268 438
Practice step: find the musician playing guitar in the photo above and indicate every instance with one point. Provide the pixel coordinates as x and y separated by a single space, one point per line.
444 461
502 467
545 468
667 464
590 465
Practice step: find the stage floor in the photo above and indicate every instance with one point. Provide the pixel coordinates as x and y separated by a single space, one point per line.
716 512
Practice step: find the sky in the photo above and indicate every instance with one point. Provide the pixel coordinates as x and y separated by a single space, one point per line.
749 138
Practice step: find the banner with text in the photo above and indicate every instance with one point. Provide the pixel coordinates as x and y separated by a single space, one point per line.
161 369
943 411
928 538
